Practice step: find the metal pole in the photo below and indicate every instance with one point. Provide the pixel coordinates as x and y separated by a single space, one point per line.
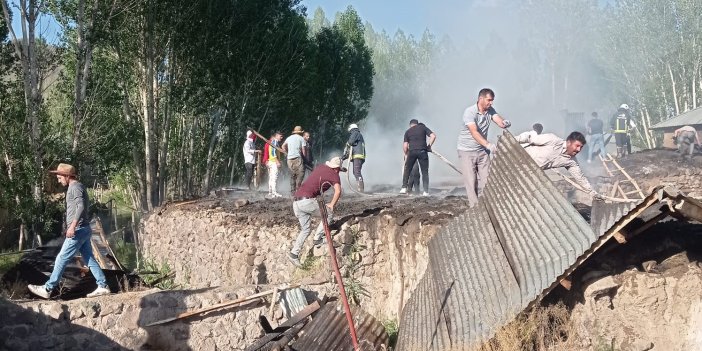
337 273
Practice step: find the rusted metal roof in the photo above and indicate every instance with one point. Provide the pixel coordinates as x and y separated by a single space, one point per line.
491 262
330 331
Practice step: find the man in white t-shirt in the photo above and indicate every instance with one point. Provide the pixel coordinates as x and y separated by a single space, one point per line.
473 147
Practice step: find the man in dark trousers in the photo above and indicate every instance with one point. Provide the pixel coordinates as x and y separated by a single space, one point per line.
416 148
305 204
356 149
78 233
620 123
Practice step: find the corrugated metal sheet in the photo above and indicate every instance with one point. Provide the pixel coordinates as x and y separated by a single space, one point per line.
604 215
330 331
470 279
692 117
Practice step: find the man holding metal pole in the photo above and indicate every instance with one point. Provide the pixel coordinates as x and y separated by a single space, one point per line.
320 180
473 147
415 147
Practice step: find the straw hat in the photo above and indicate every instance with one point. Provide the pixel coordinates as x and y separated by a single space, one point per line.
65 169
298 130
335 162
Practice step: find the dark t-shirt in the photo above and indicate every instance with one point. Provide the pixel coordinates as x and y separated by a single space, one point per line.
417 137
321 179
595 125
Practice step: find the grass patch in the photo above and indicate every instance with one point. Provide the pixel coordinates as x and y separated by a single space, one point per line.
355 289
392 328
8 261
160 276
542 329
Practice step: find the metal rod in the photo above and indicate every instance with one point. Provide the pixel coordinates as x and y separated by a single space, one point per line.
337 273
442 158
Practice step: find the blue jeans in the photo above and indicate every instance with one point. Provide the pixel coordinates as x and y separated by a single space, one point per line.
79 243
596 143
304 209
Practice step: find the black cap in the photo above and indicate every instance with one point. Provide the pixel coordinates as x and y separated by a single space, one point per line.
414 121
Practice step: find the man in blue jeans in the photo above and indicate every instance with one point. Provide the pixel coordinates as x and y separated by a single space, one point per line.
595 129
77 236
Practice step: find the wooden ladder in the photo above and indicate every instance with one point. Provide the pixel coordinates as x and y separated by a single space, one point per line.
624 185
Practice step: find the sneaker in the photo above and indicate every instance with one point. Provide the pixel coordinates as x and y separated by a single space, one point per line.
425 194
294 259
277 195
39 290
403 191
320 242
99 292
589 161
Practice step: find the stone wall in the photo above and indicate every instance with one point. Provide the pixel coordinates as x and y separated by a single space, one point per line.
215 247
117 322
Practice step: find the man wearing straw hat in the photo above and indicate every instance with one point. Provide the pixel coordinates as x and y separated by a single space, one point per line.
78 233
295 146
305 204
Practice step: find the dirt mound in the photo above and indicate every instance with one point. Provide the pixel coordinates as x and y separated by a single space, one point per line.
643 295
665 167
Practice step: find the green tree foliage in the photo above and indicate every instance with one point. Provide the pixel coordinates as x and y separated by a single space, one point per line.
651 51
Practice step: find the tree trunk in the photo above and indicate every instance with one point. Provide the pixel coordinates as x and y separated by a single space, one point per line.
84 58
210 152
146 88
27 55
675 92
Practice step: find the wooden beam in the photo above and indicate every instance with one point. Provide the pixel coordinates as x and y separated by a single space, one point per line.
619 237
566 283
220 305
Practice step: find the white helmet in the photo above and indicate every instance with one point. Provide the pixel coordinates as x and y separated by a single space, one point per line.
624 106
352 126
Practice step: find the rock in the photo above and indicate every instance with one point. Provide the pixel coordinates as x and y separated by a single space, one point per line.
649 266
601 287
592 275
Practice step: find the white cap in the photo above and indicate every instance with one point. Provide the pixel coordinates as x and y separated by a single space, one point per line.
624 106
248 133
352 126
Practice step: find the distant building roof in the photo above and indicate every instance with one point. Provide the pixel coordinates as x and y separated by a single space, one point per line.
691 117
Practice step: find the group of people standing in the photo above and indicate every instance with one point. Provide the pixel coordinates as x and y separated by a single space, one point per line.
296 151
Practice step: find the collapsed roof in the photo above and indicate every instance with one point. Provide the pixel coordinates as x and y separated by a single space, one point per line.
521 241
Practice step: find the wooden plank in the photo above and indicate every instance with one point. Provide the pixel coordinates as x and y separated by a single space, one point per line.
621 191
566 283
614 189
619 237
220 305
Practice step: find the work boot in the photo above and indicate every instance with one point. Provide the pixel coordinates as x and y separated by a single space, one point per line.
360 185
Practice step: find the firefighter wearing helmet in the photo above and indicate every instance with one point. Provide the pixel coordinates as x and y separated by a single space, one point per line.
621 123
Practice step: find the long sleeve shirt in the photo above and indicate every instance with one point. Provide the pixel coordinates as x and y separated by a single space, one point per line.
549 151
77 205
249 149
